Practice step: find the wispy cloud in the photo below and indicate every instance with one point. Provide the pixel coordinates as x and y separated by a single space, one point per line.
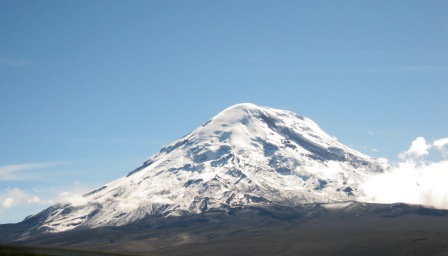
397 69
354 53
378 53
423 68
13 197
16 171
15 62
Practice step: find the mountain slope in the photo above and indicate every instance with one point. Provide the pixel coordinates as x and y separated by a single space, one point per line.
244 156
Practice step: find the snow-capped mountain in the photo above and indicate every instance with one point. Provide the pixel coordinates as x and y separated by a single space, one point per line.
244 156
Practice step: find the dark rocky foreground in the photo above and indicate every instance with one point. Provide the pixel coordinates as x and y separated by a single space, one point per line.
349 229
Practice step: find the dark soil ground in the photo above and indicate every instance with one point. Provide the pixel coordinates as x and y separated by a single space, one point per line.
365 230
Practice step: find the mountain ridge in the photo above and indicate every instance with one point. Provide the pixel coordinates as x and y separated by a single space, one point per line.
244 156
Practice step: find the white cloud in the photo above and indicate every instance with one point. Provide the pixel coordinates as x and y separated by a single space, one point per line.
413 180
440 143
8 202
419 147
73 197
11 197
410 182
128 206
33 200
13 171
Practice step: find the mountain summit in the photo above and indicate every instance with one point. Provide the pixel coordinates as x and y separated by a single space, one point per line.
245 156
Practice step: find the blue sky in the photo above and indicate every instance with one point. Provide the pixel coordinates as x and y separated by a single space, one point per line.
90 89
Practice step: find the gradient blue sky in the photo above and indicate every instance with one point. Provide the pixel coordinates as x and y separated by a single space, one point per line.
91 89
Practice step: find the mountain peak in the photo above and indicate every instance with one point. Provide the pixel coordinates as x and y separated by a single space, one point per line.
248 122
236 112
242 106
245 156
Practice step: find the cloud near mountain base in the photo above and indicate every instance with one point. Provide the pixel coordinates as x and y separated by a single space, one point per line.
413 179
